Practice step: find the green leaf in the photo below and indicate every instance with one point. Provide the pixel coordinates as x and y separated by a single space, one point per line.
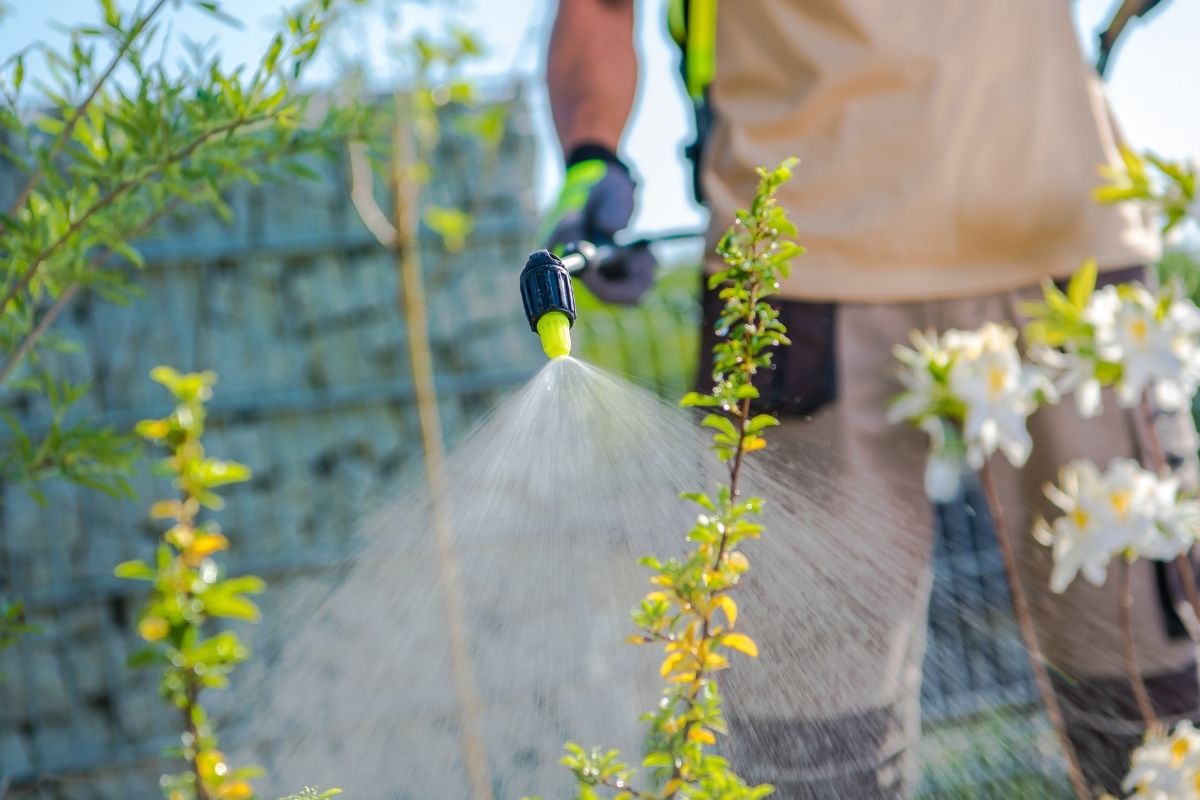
231 606
721 424
135 570
700 499
1082 284
145 657
761 422
212 473
112 17
245 584
451 224
693 399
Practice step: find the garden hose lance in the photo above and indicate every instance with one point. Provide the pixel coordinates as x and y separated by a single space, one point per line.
549 302
546 289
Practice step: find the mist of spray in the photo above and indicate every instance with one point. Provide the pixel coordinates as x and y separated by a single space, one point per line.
552 502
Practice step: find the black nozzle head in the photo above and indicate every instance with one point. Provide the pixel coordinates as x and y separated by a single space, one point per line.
546 286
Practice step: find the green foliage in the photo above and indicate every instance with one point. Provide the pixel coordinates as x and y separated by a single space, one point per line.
188 590
655 342
12 623
1182 268
432 66
111 141
691 613
1168 187
1059 318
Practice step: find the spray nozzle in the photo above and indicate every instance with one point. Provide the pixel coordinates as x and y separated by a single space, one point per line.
549 301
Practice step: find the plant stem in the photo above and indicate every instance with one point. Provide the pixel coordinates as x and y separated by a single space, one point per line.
408 263
1136 682
1158 462
1029 635
191 699
742 414
23 347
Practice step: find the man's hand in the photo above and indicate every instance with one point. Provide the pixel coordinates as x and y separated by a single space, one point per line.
596 202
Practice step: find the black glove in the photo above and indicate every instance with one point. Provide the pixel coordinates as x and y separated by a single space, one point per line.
596 201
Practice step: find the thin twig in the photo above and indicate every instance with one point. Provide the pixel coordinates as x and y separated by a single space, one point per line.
1144 420
192 700
38 173
362 193
22 349
1029 635
1136 681
115 194
403 244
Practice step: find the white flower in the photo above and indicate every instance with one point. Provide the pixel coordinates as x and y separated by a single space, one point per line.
1166 767
1126 512
976 382
997 390
1177 527
1088 533
1073 372
1156 342
918 366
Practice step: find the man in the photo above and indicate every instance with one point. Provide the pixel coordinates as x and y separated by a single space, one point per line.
948 152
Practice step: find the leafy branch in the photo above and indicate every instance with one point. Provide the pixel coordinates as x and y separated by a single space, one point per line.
691 613
188 590
1167 187
124 142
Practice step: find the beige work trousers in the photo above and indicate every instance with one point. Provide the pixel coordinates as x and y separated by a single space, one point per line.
831 710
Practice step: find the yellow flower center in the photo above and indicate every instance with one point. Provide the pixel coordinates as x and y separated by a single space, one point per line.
1080 518
1121 500
1138 329
996 380
1179 749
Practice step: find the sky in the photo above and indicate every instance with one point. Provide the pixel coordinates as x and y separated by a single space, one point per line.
1152 84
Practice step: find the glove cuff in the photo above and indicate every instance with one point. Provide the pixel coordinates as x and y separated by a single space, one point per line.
590 151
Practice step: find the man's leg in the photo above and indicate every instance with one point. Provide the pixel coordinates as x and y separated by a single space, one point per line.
838 589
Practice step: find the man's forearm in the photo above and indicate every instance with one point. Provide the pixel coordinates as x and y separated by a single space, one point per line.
592 71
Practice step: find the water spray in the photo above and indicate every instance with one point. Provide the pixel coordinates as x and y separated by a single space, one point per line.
546 289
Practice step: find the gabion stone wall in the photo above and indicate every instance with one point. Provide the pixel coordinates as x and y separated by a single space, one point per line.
295 306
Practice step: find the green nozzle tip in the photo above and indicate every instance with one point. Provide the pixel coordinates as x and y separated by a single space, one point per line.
555 329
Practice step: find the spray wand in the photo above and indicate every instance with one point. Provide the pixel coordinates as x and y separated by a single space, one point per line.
546 289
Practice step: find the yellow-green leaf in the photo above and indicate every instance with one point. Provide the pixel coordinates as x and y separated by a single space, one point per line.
1082 284
727 605
740 642
669 663
134 570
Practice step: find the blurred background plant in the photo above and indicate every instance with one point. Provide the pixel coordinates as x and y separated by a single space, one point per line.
1167 189
123 141
188 590
12 623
